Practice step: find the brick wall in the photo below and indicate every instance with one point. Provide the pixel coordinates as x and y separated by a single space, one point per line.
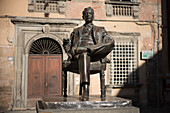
6 77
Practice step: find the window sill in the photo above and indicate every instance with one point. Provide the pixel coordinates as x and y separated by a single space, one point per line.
122 3
124 86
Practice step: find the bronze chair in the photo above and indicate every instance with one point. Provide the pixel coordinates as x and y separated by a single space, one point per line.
95 67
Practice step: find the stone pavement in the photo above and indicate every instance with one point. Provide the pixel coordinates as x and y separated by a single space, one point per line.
25 111
163 109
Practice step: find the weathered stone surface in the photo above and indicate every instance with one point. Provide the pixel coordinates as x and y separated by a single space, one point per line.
6 77
75 102
74 9
94 105
5 98
110 110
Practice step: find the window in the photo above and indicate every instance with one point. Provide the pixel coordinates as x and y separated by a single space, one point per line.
48 6
122 8
123 63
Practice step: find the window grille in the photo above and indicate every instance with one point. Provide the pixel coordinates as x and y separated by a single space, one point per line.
46 5
45 46
122 10
126 8
123 63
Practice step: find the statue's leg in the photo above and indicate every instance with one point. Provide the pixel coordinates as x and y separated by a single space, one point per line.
84 69
80 90
102 52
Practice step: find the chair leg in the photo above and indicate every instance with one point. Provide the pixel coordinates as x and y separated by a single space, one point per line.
65 83
80 90
102 84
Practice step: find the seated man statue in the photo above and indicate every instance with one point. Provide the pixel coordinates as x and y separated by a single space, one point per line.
88 43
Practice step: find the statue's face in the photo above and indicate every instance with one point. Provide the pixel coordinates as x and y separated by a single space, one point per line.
88 15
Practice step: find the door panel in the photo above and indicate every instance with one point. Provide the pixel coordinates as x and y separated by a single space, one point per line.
35 76
53 76
44 76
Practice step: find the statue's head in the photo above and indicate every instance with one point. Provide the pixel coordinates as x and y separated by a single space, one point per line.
88 14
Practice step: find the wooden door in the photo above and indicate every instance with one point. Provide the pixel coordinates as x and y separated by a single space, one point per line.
35 76
53 75
44 76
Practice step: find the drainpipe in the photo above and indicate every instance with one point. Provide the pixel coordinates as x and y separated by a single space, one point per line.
157 73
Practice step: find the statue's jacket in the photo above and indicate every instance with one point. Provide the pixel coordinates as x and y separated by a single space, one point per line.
99 36
99 33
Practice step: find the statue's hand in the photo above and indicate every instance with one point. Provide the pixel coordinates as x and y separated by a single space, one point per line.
107 40
80 50
66 45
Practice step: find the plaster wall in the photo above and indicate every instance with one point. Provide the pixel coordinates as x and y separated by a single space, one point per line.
19 8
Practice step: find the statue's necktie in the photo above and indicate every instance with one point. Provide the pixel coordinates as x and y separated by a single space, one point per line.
87 29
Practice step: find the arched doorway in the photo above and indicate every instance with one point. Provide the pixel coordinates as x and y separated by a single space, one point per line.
44 69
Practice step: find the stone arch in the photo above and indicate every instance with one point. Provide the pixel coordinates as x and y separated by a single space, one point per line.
39 36
45 45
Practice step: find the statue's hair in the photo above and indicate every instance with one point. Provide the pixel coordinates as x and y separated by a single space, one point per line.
87 9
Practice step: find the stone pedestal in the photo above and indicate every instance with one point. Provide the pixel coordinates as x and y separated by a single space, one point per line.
95 104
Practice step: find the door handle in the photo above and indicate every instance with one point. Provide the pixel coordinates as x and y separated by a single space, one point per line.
46 84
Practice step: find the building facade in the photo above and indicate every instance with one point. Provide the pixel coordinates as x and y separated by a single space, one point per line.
32 33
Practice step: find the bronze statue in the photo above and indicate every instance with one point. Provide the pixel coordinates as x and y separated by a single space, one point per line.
88 43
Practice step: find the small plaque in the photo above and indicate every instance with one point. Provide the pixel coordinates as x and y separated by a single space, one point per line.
147 54
10 58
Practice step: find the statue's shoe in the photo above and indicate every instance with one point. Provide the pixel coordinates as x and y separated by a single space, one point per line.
84 98
85 95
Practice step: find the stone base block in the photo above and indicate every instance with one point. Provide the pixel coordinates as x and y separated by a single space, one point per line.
94 105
